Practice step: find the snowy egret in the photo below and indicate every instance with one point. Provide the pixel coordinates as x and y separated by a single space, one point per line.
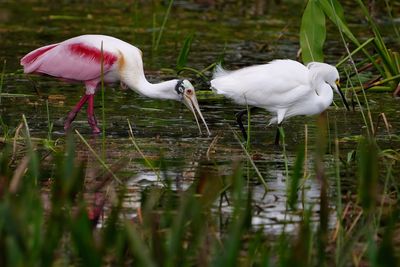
80 59
285 88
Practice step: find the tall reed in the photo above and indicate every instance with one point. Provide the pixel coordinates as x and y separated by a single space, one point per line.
103 109
164 22
2 79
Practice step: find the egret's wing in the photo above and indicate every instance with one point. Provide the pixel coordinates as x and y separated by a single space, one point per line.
275 83
69 60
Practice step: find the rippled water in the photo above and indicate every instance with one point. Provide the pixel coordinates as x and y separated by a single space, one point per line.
166 128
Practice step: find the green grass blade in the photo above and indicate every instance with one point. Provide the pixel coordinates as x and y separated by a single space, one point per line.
103 109
367 155
184 53
2 78
160 33
83 240
295 177
285 158
229 255
259 175
132 138
98 157
138 247
355 51
49 123
312 33
334 11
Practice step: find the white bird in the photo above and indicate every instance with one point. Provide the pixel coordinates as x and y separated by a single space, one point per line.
80 59
285 88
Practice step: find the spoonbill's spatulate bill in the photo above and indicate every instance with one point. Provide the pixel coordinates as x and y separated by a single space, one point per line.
285 88
80 59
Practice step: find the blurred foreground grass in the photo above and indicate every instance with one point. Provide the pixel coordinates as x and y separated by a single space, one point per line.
50 215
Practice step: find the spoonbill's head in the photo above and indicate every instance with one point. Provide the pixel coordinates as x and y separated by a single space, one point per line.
186 93
330 75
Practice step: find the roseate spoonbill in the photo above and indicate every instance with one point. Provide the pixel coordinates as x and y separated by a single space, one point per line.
80 59
285 88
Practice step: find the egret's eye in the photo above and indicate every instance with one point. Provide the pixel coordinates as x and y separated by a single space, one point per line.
337 82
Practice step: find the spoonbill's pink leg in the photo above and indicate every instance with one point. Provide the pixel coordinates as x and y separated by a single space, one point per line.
90 112
72 114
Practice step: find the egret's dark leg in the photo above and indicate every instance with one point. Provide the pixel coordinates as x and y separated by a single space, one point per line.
239 116
72 114
277 135
91 118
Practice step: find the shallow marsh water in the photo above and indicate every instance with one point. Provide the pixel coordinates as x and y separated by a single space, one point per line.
166 129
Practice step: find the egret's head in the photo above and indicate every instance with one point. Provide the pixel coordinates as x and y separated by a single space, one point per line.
187 95
330 75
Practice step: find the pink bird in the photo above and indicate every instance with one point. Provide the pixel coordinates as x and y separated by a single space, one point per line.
80 59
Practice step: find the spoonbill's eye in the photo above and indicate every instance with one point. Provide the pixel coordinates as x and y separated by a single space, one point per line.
189 91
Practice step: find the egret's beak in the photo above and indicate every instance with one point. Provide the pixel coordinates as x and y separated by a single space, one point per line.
191 102
339 91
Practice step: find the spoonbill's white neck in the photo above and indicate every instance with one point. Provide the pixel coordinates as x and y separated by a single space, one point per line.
162 90
181 90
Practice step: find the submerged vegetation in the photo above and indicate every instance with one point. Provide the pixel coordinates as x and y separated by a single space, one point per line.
75 200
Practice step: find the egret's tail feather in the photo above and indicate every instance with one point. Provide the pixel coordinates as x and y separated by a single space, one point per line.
219 71
273 120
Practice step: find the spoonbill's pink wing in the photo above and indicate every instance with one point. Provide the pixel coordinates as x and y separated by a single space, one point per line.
72 61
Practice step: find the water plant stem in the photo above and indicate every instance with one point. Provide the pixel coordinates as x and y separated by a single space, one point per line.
305 167
49 123
98 157
34 162
338 206
248 127
27 132
361 47
2 78
260 177
392 20
157 44
103 112
370 124
153 34
132 138
358 101
285 159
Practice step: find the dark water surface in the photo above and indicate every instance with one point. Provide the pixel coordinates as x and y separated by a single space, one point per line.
166 129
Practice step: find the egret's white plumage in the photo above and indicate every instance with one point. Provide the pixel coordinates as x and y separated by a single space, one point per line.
283 87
